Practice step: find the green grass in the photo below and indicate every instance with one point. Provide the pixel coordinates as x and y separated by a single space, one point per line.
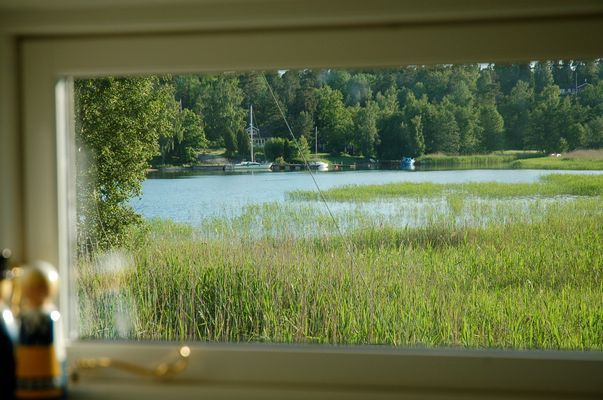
567 163
497 159
474 272
549 185
343 158
576 160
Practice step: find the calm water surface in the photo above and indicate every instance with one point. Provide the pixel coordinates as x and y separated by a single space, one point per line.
192 198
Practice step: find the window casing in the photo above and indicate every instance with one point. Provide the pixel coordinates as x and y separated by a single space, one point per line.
283 371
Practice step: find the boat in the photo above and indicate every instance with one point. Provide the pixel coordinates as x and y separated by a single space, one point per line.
319 166
250 165
407 163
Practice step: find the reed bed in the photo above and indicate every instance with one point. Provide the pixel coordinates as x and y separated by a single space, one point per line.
498 159
579 161
548 186
575 160
475 271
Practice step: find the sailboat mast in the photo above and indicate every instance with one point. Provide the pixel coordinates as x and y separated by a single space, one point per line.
316 141
251 129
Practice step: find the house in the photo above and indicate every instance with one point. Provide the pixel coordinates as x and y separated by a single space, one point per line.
43 43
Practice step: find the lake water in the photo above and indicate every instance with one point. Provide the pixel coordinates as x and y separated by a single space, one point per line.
193 198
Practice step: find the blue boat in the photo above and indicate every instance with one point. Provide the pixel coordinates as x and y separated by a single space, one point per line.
407 163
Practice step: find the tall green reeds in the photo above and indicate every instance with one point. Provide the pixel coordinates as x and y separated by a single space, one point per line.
549 185
469 271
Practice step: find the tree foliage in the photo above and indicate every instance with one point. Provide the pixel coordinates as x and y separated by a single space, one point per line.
333 119
224 117
119 122
185 142
461 108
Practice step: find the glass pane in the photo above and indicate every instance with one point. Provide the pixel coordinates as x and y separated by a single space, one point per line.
445 205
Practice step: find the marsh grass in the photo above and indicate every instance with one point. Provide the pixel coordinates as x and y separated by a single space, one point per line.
576 160
474 271
497 159
549 185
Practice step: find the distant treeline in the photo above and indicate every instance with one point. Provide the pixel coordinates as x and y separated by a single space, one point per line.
456 109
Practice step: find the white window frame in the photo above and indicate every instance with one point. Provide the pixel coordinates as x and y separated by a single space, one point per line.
270 371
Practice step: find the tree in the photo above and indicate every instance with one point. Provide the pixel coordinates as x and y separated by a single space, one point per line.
492 125
594 136
549 121
231 141
187 140
302 150
254 88
467 119
507 75
365 129
222 112
306 100
257 94
118 125
190 89
515 110
287 88
563 74
243 145
358 90
591 97
577 136
384 80
435 81
303 125
391 131
441 131
274 148
414 111
416 141
400 137
387 102
587 71
337 79
488 88
465 114
333 119
543 76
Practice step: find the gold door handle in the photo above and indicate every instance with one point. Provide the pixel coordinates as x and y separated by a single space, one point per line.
162 371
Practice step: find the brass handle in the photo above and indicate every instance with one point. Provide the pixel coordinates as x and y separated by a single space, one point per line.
162 371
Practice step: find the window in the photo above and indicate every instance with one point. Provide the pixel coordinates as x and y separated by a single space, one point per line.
233 251
46 60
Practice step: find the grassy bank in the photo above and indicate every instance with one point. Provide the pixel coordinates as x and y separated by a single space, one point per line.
576 160
469 271
341 159
549 185
498 159
584 160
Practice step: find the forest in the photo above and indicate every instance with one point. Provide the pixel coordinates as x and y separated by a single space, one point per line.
414 110
552 106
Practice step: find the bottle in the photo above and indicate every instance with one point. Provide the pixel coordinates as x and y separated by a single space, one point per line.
39 372
7 332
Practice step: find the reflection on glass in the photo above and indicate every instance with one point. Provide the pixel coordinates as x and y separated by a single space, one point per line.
451 205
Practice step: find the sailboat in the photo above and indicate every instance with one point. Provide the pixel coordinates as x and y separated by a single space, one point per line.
250 165
317 165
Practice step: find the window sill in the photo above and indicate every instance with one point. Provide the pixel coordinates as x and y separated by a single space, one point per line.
289 371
